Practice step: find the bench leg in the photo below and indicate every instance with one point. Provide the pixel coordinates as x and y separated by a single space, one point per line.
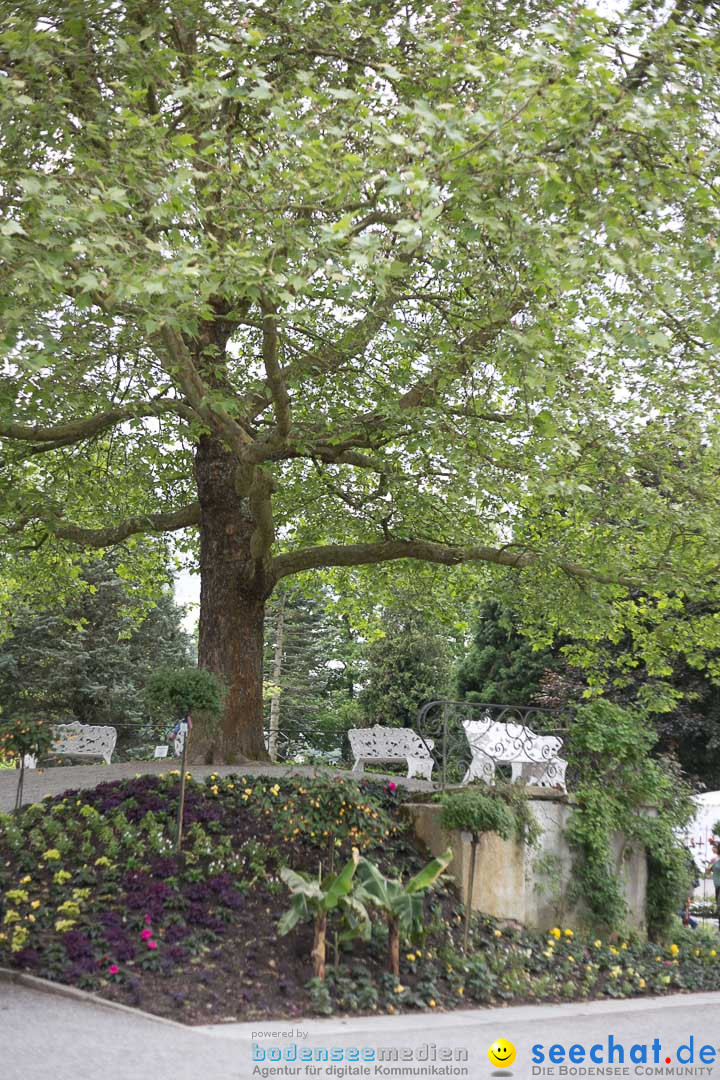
420 767
480 770
359 766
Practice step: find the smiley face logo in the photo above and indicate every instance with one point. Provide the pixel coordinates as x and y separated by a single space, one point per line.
501 1053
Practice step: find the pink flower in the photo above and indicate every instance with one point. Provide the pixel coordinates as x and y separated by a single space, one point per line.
152 944
145 934
148 920
392 786
113 969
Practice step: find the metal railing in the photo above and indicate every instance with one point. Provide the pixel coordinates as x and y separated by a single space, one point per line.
441 722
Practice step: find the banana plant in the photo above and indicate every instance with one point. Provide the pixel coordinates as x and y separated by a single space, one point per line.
401 904
314 898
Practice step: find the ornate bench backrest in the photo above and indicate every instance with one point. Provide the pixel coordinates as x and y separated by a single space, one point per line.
87 739
387 742
510 742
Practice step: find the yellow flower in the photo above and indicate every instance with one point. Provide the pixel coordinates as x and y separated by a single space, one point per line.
665 980
461 990
102 861
275 789
613 950
642 984
498 933
215 789
432 1003
35 904
556 932
615 971
418 952
63 925
11 917
248 791
597 943
25 880
30 918
624 945
411 957
713 952
569 933
571 959
399 989
61 876
51 855
674 949
231 787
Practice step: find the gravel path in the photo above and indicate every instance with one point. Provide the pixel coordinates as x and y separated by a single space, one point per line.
41 782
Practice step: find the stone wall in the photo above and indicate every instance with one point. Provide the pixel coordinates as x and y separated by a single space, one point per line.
529 885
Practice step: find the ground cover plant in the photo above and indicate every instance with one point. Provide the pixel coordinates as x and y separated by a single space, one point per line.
93 894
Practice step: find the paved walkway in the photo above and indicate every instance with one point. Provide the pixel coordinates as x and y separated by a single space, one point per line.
41 782
44 1037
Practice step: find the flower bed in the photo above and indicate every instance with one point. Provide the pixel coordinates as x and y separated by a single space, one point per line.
93 895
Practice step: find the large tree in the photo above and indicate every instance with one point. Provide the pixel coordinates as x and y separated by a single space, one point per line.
341 283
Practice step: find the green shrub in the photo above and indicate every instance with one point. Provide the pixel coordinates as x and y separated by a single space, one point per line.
477 813
183 690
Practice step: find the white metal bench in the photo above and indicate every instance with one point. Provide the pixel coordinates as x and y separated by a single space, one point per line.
88 742
532 758
392 745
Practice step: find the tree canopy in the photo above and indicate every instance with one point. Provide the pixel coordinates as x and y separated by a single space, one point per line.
340 284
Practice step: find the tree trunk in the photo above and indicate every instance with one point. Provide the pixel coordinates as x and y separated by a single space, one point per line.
276 676
233 590
318 949
393 946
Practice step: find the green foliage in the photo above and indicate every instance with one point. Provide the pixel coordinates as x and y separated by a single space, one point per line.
502 665
326 810
178 691
618 786
311 658
89 660
313 896
477 813
403 903
406 267
25 735
503 809
407 666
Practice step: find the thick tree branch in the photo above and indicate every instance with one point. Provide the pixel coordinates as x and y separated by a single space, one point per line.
294 562
179 363
351 344
77 430
115 534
